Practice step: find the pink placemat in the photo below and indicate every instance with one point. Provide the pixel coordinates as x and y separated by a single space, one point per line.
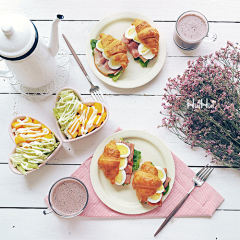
203 201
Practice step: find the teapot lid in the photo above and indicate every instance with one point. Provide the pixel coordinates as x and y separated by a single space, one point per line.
18 37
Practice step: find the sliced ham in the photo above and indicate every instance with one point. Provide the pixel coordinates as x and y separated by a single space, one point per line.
143 59
101 64
125 40
133 48
128 178
130 157
128 169
168 179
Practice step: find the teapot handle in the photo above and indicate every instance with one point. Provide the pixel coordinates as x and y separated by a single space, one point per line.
5 73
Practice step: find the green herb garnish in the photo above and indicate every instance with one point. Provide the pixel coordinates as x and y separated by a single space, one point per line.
136 160
117 76
152 163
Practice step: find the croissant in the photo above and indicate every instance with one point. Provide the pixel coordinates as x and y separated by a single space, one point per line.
146 182
114 48
147 35
109 161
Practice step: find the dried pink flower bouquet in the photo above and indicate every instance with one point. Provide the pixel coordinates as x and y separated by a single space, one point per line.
203 105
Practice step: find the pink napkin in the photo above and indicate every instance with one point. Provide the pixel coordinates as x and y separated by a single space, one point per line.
203 201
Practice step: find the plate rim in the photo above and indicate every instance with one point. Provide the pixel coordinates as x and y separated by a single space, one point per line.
118 15
94 167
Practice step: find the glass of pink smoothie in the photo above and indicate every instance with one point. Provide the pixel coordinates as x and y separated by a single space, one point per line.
191 29
68 197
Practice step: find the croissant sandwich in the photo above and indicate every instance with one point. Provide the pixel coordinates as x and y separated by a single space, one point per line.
118 161
142 40
151 183
110 56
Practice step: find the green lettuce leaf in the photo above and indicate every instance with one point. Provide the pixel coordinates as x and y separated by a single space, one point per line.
143 64
93 43
136 160
166 189
117 76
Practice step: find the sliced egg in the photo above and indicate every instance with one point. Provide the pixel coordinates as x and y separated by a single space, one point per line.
149 55
123 149
105 56
136 39
142 49
161 174
123 163
112 64
145 52
121 177
130 33
99 45
155 198
160 189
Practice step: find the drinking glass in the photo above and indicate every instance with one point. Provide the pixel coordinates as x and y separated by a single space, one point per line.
63 194
191 29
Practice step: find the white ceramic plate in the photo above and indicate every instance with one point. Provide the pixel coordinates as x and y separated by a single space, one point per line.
123 199
135 75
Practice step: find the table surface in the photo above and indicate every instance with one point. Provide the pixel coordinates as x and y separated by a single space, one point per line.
21 201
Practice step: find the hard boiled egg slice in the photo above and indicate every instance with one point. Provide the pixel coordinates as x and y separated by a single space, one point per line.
160 189
149 55
155 198
112 64
103 53
123 163
121 177
99 45
130 33
123 149
145 52
136 39
161 174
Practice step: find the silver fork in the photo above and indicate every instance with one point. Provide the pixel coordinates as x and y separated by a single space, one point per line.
198 181
95 91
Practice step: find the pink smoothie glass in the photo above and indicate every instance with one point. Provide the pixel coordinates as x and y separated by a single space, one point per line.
191 29
68 197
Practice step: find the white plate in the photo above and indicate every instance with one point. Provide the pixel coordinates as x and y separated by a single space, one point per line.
135 75
123 199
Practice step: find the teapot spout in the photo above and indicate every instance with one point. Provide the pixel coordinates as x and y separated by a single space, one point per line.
54 39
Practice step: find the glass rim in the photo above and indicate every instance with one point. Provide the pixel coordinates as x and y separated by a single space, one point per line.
183 37
52 189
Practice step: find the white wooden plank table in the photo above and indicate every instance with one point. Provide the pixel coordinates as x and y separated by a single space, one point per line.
21 199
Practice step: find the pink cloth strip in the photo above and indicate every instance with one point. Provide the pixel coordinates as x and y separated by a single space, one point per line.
202 202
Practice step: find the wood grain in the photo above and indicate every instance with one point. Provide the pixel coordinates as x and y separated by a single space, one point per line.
220 10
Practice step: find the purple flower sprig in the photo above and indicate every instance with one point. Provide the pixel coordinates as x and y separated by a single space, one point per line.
203 105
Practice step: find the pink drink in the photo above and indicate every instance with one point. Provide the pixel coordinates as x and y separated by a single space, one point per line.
191 28
68 197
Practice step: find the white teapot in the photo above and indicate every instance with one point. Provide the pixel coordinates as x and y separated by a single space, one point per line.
27 56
